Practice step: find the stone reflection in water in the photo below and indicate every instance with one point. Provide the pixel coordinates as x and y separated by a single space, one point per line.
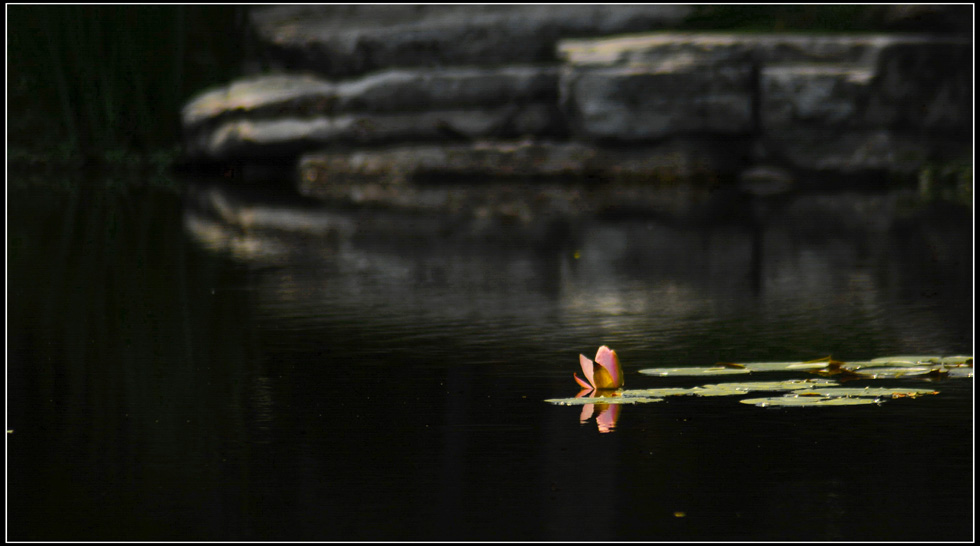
638 282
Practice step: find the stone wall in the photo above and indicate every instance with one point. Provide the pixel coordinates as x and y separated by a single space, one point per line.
369 106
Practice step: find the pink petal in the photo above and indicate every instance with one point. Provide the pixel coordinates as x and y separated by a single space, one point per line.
580 382
587 369
607 358
586 413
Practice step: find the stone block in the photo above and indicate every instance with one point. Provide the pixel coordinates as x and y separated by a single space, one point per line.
636 103
288 114
291 136
821 94
670 49
926 84
906 84
344 41
285 95
849 103
256 96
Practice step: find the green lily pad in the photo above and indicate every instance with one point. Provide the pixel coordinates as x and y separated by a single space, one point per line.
807 401
872 392
875 372
659 393
912 360
694 371
955 361
603 400
801 392
721 389
886 367
735 389
960 372
784 366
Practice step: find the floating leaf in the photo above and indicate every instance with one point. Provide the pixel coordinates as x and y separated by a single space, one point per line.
784 366
841 373
872 392
887 367
803 392
899 360
721 389
692 371
960 372
604 400
956 361
890 364
875 372
807 401
659 393
734 389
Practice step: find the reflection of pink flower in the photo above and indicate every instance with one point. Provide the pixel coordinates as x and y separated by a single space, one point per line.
608 413
608 375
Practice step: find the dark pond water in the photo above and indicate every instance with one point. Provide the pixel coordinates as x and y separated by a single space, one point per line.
172 376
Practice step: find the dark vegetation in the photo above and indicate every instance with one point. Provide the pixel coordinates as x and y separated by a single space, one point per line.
102 86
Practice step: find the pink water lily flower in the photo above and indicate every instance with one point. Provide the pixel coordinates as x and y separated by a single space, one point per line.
607 375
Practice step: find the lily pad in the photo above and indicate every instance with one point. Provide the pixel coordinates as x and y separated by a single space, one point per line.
907 360
885 367
960 372
603 400
799 392
808 401
735 389
784 366
875 372
721 389
956 361
872 392
891 364
659 393
694 371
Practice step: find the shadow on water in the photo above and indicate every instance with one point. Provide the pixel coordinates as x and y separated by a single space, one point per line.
109 359
216 365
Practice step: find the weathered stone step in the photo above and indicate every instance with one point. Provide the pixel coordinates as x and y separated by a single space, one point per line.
845 103
825 94
650 86
669 49
394 90
344 41
288 114
246 139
